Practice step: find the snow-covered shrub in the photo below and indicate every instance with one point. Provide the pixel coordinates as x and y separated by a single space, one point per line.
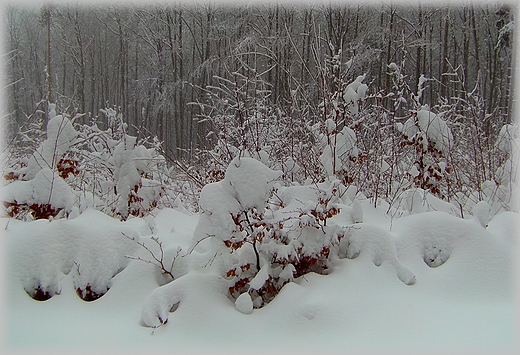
262 244
81 166
37 188
431 140
47 195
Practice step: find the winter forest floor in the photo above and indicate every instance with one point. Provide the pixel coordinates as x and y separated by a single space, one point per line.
466 305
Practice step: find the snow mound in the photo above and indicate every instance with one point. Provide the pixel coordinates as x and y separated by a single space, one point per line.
44 252
436 236
190 291
244 303
250 182
379 244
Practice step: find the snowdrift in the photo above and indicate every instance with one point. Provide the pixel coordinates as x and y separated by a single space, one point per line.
462 298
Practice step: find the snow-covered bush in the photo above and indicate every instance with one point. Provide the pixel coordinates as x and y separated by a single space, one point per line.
431 140
263 244
81 166
47 195
37 188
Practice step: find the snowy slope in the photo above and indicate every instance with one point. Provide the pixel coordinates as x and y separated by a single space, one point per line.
466 304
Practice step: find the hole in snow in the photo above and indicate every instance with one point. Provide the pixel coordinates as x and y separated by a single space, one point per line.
174 307
39 295
88 295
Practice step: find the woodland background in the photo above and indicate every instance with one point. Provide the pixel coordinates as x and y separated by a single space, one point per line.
151 61
386 97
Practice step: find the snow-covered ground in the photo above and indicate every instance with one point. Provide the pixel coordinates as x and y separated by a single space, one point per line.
465 305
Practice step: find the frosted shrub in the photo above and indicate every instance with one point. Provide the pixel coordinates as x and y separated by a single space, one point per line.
81 166
430 140
265 243
38 189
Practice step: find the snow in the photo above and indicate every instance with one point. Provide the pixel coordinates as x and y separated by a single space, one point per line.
506 138
342 146
250 182
244 303
416 281
91 253
466 304
481 213
377 243
357 211
260 278
354 92
130 161
431 125
436 129
61 135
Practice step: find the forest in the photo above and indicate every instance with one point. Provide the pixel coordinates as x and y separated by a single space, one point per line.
184 73
208 80
155 63
311 177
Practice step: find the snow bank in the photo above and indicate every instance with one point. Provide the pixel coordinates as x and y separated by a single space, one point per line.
467 253
189 292
44 252
465 305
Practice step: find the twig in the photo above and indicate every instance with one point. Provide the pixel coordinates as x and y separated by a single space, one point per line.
157 261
